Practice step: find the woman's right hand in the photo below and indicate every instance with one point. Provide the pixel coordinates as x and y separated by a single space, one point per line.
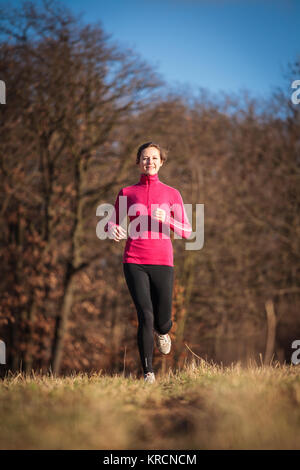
118 233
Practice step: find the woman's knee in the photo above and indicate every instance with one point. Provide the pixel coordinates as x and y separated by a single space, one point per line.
146 317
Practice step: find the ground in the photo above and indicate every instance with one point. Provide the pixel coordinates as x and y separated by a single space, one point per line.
201 406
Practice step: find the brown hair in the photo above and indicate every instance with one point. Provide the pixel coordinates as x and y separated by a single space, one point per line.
163 152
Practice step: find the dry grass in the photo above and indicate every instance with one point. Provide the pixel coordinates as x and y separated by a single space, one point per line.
202 406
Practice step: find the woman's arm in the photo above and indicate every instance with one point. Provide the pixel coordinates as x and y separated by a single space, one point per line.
113 226
179 223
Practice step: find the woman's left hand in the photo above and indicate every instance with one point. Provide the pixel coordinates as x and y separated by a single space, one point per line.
159 214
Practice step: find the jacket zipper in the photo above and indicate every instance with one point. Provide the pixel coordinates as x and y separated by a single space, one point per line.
148 195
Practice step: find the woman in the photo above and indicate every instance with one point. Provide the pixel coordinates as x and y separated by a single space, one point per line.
148 256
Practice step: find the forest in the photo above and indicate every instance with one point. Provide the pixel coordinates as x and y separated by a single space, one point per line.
77 108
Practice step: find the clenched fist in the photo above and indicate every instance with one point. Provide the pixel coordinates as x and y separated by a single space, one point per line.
118 233
159 214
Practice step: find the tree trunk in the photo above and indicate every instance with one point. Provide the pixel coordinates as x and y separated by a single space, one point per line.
61 328
271 331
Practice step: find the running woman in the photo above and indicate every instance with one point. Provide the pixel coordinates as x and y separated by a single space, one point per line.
148 255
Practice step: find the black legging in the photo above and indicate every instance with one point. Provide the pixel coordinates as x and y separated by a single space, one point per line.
151 289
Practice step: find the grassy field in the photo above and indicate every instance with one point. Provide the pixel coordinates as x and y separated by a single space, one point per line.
202 406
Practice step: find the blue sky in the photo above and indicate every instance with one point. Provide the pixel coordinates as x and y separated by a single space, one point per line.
217 44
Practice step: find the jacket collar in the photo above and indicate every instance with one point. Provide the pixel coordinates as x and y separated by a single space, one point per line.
149 179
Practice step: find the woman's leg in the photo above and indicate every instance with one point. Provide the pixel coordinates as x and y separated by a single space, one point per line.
138 284
161 285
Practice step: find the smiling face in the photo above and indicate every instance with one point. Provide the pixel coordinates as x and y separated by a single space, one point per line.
150 161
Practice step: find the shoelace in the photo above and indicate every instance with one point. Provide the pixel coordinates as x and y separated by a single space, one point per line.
164 338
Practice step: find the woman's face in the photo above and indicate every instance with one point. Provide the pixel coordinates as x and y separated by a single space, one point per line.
150 161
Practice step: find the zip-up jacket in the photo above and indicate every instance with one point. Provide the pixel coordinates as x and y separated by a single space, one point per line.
148 239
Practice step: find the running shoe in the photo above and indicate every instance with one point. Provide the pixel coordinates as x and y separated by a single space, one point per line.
149 377
163 342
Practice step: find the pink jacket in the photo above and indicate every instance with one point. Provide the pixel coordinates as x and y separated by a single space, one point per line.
150 243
